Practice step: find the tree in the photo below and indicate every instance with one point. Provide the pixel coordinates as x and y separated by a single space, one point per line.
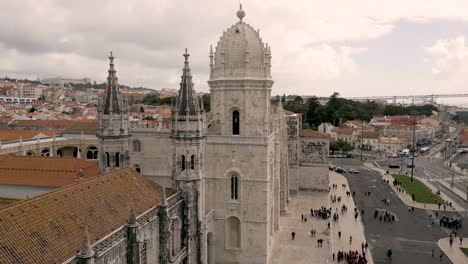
32 110
42 98
340 145
298 99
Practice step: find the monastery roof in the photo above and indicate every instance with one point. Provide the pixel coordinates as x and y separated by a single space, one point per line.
44 171
10 134
309 133
50 124
85 127
49 228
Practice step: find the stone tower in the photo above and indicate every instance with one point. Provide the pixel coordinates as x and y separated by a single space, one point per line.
188 143
113 132
240 81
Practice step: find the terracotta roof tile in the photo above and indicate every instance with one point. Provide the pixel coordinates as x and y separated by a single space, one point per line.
4 202
10 134
49 228
44 171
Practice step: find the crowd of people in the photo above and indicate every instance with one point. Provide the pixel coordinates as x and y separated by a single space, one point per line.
323 213
351 257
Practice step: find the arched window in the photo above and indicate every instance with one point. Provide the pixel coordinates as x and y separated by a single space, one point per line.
192 162
92 152
107 159
45 152
136 146
117 159
183 162
234 187
233 233
235 122
137 168
175 237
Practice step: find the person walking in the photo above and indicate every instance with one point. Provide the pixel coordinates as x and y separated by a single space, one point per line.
461 240
293 235
350 240
339 234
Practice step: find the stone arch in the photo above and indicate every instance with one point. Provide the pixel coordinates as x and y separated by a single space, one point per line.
30 153
175 228
45 152
92 152
233 232
136 145
233 184
137 168
210 254
68 151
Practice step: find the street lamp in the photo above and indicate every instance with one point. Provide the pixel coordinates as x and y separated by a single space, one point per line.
414 113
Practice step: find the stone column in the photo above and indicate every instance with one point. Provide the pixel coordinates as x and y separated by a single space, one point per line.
163 230
133 252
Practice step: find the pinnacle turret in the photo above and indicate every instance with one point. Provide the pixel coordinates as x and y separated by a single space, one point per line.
113 101
186 103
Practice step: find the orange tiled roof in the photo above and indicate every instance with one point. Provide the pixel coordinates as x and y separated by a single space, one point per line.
49 228
312 134
50 124
44 171
10 134
4 202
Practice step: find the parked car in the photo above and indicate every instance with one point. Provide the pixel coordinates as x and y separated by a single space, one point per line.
393 155
331 167
353 171
409 165
394 166
340 170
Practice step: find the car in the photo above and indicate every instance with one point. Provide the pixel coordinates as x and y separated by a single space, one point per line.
340 170
353 171
331 167
394 166
409 165
393 155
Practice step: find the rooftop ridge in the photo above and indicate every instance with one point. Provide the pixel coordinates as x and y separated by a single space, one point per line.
67 187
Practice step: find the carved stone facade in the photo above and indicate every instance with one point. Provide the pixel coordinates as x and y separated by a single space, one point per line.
231 167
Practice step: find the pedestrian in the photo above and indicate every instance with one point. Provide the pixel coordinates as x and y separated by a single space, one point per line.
441 255
432 252
389 253
461 240
339 234
302 217
305 219
293 235
333 256
451 240
350 240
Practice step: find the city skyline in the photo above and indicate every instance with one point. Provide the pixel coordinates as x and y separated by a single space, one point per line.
317 48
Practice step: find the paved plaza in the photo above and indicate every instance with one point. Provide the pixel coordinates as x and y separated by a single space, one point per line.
304 247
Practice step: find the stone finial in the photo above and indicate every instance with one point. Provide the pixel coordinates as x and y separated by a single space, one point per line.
163 198
132 218
240 13
86 250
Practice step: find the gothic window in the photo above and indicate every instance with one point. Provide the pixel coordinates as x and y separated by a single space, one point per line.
183 162
143 256
235 122
136 146
45 152
192 162
175 237
234 186
233 234
117 159
107 159
91 152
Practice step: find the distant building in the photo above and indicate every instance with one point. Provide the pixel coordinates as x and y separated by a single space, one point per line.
60 81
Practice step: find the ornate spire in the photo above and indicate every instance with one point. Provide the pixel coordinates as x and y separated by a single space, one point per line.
113 101
86 250
186 103
240 13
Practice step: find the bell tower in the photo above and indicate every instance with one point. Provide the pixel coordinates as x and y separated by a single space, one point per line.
188 138
113 134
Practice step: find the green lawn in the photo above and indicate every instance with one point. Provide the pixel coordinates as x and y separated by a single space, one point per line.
465 250
420 191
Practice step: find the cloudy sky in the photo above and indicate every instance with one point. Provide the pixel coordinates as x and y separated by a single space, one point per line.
354 47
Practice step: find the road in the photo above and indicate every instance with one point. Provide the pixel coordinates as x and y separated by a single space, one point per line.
412 238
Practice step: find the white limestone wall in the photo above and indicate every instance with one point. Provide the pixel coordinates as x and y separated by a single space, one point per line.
155 158
313 177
